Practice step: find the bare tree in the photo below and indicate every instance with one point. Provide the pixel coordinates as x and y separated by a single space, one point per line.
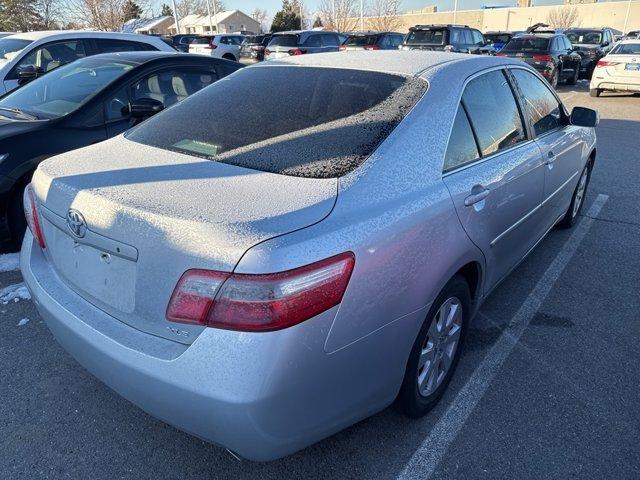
384 15
260 16
340 15
50 13
107 15
197 7
564 17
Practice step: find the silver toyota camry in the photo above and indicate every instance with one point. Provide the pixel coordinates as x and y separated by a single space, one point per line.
305 242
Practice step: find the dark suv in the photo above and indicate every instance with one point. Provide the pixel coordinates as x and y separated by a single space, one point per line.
252 48
551 54
372 41
592 44
453 38
181 42
300 42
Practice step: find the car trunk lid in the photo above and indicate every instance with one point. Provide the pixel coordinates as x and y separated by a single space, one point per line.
123 222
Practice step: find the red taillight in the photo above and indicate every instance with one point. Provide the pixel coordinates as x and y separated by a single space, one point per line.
542 58
31 214
342 47
296 51
260 303
267 51
606 63
258 48
372 47
500 54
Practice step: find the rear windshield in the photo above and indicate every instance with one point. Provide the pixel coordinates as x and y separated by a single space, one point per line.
284 41
527 44
300 121
584 36
361 40
626 49
254 39
429 37
498 37
201 40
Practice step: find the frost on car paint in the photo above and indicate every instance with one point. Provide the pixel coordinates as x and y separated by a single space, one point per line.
311 122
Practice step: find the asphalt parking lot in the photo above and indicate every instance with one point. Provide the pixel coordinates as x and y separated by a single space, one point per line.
547 387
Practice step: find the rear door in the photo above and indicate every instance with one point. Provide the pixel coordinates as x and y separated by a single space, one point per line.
559 142
495 174
330 42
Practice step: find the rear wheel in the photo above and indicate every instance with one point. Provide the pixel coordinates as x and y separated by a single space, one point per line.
595 92
436 351
569 219
228 56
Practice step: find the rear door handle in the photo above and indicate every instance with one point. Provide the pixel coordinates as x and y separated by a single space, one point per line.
478 193
551 157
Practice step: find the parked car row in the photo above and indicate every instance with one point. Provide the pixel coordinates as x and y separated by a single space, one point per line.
264 273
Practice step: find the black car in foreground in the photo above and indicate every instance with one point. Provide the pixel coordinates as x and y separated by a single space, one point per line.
372 41
551 54
85 102
591 44
252 48
452 38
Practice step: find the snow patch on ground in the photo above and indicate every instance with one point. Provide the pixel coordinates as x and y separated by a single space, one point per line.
9 262
14 293
22 322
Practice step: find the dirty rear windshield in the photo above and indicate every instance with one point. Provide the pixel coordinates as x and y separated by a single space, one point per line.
429 37
534 44
300 121
284 41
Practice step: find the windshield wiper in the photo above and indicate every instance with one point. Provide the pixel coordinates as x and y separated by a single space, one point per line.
17 111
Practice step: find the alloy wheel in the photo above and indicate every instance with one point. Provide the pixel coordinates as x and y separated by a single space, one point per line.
439 347
582 186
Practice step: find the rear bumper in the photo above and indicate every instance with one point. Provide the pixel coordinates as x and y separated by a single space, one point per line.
262 395
617 84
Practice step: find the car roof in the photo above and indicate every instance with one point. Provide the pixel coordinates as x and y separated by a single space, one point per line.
403 62
33 36
144 57
629 40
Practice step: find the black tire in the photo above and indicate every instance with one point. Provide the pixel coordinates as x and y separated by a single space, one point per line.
570 218
410 401
556 78
574 79
595 92
15 215
228 56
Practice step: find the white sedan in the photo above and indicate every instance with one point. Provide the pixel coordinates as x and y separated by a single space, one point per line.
619 70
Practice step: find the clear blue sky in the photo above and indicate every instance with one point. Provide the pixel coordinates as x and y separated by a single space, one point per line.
272 6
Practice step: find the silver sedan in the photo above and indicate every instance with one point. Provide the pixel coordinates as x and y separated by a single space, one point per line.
305 242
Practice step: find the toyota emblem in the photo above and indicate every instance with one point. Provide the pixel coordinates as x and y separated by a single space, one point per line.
76 223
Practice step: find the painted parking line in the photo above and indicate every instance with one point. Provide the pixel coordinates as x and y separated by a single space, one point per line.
430 453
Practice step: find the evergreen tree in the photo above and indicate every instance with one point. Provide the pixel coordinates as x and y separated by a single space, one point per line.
166 11
131 10
288 18
19 15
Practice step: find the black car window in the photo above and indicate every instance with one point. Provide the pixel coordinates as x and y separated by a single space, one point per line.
397 40
468 38
434 36
455 36
585 36
330 40
493 112
108 45
67 88
10 47
313 41
542 107
315 122
478 39
117 106
286 40
626 49
361 40
171 86
462 148
527 44
51 56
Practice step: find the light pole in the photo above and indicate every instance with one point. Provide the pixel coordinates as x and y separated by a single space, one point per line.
333 14
455 11
175 17
362 15
626 18
210 19
301 22
215 14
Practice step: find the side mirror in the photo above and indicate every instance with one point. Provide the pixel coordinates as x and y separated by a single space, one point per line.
28 73
145 107
584 117
605 44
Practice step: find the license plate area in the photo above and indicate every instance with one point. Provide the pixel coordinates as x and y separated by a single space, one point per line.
632 66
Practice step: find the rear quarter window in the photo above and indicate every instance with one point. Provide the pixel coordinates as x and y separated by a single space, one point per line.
300 121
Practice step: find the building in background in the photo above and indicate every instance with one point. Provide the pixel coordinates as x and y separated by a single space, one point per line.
149 26
226 22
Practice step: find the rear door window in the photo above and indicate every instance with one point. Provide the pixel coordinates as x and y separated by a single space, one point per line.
493 112
542 107
478 39
462 149
313 41
467 37
314 122
51 56
108 45
330 40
